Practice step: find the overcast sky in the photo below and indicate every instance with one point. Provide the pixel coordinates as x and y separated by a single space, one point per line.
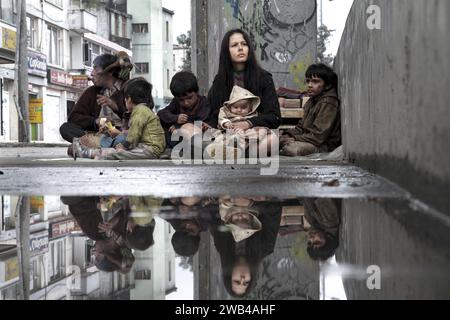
335 14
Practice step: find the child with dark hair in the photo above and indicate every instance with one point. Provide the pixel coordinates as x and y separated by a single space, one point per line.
320 129
141 224
145 137
324 216
186 107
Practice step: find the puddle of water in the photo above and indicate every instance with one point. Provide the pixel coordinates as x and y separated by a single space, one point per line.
263 248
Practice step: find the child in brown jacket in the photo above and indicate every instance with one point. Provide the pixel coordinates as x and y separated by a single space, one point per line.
320 129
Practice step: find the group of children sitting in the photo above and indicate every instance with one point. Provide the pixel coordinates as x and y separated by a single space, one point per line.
145 135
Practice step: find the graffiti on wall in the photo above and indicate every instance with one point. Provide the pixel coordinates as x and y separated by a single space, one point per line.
278 28
281 33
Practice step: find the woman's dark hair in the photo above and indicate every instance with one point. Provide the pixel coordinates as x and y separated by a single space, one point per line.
225 76
182 83
229 258
324 72
140 91
104 61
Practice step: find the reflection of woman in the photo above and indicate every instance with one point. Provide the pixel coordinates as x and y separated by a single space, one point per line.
240 260
324 216
238 66
110 254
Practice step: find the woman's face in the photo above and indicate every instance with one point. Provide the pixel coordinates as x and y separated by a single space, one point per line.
238 48
240 278
96 76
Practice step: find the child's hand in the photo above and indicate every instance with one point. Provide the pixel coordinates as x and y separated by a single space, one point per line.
182 119
243 125
114 132
172 129
120 147
228 125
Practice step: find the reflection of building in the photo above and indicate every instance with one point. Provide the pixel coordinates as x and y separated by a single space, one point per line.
155 268
9 272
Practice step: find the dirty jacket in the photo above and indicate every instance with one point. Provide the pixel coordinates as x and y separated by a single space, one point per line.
87 110
321 123
169 115
145 129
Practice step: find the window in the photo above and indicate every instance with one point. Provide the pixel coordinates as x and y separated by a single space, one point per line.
32 32
143 274
141 68
8 11
92 51
54 36
116 24
124 27
140 27
58 3
167 31
168 77
58 260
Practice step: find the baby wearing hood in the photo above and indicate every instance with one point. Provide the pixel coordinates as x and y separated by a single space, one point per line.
241 107
241 219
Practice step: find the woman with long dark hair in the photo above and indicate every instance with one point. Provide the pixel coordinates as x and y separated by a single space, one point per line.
244 235
239 66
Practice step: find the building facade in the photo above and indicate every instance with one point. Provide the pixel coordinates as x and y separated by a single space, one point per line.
64 37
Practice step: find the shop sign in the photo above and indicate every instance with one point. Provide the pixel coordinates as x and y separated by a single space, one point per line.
62 228
35 107
80 81
59 77
37 64
8 39
38 243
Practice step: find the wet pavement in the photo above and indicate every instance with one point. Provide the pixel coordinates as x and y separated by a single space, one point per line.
158 230
220 248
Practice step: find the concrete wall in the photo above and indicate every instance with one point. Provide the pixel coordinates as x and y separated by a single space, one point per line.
283 32
410 248
395 91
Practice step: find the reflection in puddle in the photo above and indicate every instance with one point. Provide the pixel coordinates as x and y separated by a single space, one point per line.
219 248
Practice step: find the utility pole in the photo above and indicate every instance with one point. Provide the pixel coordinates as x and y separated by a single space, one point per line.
22 73
23 245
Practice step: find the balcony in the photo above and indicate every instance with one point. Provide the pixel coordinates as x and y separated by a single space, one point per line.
83 21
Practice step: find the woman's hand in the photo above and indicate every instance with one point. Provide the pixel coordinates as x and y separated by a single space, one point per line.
107 102
243 125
